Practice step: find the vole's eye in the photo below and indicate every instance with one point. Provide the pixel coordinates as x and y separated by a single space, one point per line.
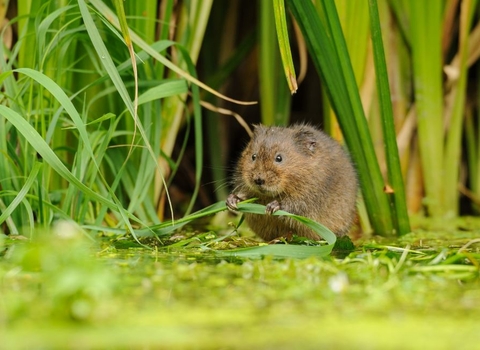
278 158
254 156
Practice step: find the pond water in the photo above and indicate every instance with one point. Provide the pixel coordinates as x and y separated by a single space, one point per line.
422 291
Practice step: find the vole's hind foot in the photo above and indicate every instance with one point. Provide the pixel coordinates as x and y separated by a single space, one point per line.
288 237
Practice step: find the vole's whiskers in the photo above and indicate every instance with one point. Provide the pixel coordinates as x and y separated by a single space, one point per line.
220 184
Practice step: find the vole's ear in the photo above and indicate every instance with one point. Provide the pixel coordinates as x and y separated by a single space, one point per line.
306 139
258 129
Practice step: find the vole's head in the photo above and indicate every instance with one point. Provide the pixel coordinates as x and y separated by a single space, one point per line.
277 159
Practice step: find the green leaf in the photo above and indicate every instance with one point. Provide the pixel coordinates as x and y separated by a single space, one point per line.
279 251
321 230
166 89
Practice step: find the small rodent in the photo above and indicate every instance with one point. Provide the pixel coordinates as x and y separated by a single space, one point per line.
301 170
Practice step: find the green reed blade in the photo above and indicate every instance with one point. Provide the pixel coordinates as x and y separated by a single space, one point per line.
274 91
284 44
398 199
425 37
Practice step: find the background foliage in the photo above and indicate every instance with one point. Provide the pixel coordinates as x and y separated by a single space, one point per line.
76 142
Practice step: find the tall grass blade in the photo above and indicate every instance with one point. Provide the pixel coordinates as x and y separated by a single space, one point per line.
399 203
64 101
167 88
128 41
274 92
284 44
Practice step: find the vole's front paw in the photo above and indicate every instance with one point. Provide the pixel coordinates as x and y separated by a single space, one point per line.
272 207
232 201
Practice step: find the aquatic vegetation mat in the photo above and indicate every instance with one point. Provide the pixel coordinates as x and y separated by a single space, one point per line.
63 288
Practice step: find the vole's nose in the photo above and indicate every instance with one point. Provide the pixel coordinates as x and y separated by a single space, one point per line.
259 181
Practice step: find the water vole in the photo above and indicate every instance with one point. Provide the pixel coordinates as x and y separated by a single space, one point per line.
298 169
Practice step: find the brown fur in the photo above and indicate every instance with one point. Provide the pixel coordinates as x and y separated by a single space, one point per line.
298 169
